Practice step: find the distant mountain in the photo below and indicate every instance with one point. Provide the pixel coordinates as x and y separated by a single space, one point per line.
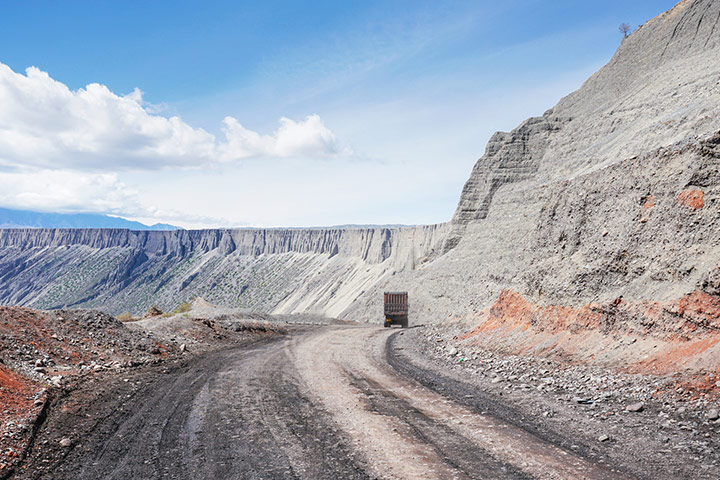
27 219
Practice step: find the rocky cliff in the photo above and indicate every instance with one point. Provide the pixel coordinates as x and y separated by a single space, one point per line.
660 88
599 217
278 270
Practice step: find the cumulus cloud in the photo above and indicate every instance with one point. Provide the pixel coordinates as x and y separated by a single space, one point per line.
66 150
307 138
66 191
45 125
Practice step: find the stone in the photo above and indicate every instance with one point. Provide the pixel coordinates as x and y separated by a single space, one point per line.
603 438
153 311
713 414
65 442
635 407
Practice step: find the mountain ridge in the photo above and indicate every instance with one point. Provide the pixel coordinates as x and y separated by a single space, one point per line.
11 218
279 271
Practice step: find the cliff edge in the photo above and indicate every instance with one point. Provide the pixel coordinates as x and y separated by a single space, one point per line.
660 88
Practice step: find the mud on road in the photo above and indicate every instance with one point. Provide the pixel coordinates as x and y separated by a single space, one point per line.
316 403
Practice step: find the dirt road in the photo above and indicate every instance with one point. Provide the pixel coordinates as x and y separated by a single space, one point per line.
317 403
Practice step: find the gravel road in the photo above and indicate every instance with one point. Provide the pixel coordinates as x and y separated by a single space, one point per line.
320 402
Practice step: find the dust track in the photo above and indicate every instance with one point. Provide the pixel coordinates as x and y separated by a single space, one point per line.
319 403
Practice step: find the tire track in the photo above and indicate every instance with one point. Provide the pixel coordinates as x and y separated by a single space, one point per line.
430 426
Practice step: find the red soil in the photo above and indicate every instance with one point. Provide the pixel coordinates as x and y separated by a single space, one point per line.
512 310
694 199
701 386
16 392
17 405
680 333
700 308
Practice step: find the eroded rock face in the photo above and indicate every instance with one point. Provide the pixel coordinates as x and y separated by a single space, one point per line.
509 158
277 270
661 87
611 193
373 245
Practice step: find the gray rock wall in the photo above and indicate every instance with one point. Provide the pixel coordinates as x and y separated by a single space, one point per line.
276 270
661 87
589 202
374 245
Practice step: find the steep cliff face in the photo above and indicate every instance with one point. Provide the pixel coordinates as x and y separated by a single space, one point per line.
371 245
661 87
603 212
509 158
275 270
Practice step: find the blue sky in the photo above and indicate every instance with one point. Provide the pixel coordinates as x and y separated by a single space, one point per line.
387 104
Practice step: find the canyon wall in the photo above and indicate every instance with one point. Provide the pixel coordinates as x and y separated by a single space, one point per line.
603 212
276 270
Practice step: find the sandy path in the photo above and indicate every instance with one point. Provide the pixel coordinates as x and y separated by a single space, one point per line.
345 369
319 403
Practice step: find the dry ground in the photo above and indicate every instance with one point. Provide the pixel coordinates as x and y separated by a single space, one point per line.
333 401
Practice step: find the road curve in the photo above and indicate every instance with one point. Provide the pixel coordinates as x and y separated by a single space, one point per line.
319 403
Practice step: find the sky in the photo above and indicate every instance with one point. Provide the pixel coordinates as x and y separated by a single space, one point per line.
279 113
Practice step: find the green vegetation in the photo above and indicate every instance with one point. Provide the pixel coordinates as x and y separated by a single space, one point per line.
126 317
182 308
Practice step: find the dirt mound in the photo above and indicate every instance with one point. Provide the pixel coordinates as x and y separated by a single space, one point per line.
41 352
197 331
648 337
61 342
200 302
153 311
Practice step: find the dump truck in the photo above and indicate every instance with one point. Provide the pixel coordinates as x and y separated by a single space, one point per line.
396 309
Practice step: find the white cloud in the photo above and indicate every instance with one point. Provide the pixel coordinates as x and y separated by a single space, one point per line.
45 125
310 138
63 150
73 192
66 191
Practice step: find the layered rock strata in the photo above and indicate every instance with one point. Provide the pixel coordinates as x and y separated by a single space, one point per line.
277 270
